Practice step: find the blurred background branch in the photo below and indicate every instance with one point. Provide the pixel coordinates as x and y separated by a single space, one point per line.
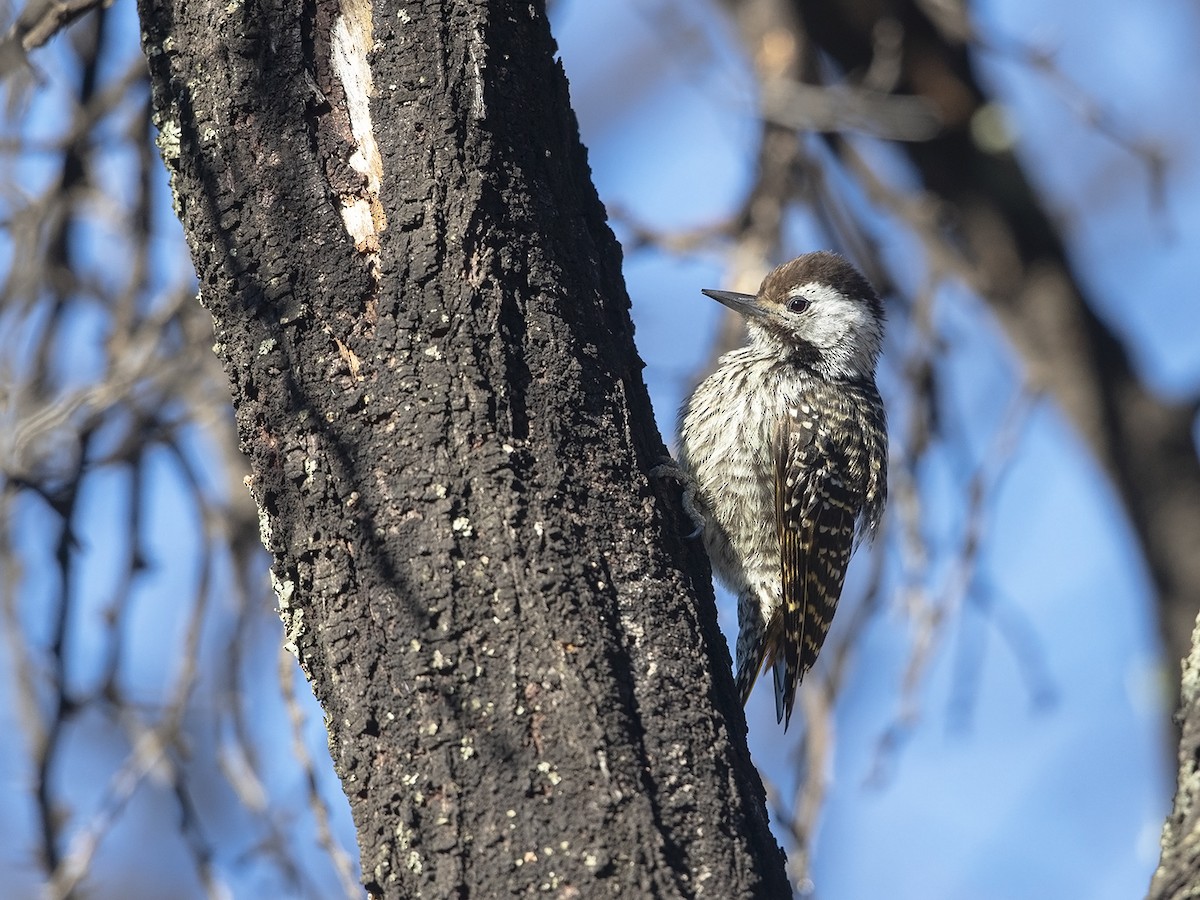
154 751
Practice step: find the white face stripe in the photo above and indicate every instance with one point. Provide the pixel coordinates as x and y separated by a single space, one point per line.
844 329
816 292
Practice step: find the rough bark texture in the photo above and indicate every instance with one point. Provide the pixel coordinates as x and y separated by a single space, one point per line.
1178 868
1016 258
421 312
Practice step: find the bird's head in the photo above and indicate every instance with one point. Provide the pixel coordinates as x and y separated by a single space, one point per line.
818 308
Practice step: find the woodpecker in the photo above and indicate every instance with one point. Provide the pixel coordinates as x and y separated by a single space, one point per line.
784 449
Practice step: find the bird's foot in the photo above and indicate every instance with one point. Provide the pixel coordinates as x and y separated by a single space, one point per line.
668 468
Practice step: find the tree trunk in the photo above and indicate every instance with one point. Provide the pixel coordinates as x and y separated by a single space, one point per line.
421 312
1178 874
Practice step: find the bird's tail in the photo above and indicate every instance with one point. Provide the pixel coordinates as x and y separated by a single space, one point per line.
785 690
769 651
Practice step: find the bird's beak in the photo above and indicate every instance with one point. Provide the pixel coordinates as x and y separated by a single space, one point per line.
746 304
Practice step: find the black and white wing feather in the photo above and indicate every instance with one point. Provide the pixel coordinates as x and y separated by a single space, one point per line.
815 518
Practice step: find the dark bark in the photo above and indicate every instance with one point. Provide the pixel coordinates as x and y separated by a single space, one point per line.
435 382
1179 866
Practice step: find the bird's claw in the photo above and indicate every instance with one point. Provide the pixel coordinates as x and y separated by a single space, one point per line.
671 469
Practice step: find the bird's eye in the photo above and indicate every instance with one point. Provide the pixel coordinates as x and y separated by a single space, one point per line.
798 304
